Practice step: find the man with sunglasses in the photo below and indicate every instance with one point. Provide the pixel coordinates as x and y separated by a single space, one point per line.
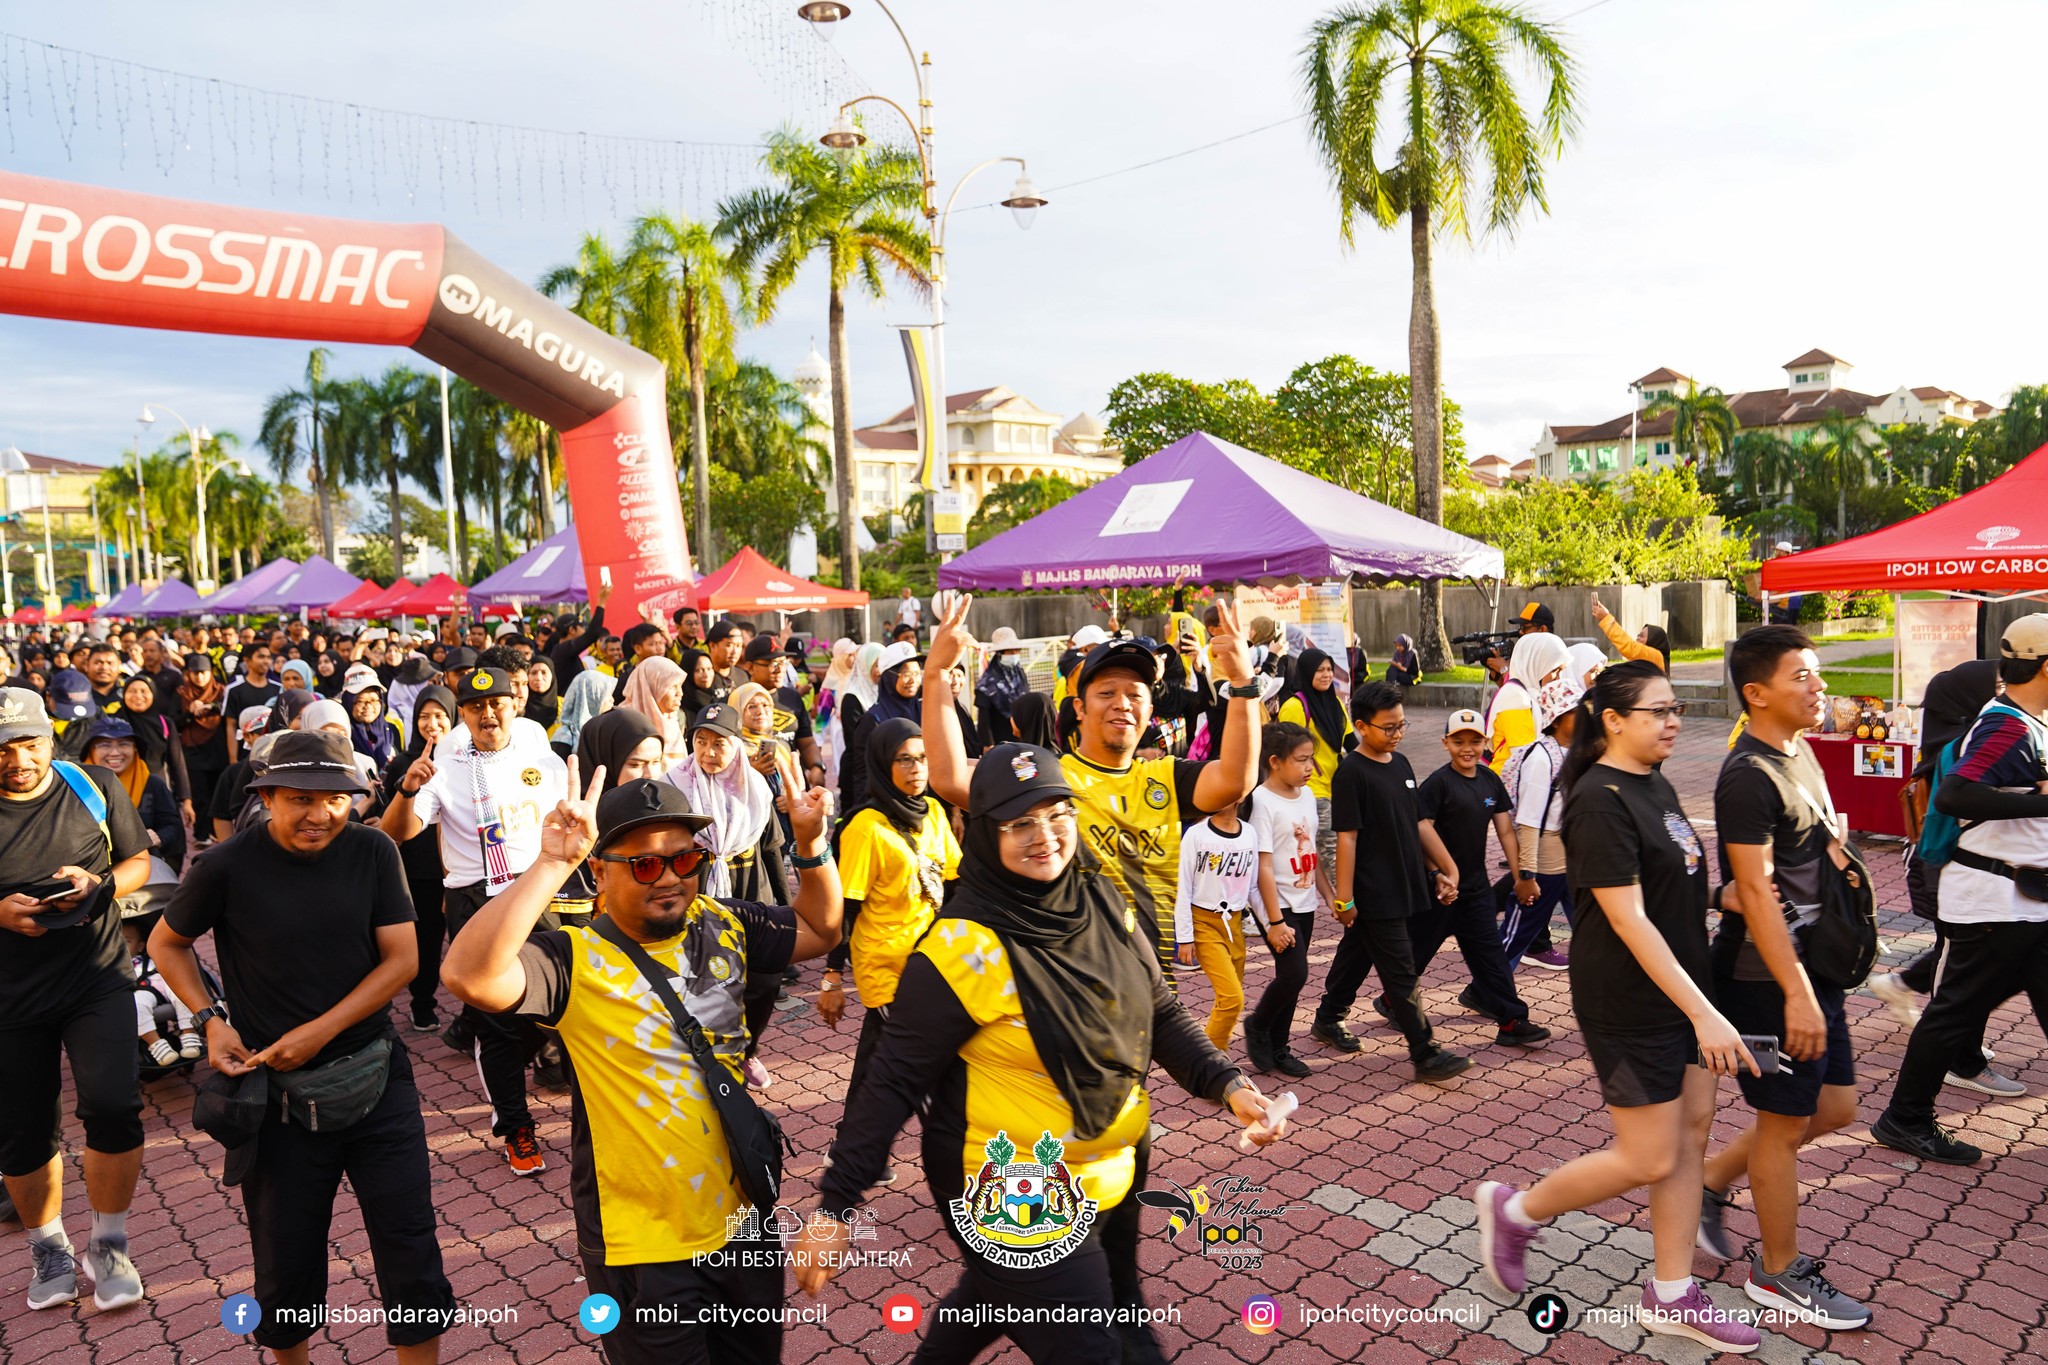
487 786
660 1216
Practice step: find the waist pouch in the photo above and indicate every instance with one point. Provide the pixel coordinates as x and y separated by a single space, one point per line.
336 1094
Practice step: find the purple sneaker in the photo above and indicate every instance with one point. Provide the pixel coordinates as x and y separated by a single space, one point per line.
1695 1316
1503 1243
1554 959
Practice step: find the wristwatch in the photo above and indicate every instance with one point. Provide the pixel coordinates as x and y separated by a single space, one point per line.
805 864
1246 690
200 1018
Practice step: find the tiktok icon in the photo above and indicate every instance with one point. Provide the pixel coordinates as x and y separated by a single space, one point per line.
1548 1314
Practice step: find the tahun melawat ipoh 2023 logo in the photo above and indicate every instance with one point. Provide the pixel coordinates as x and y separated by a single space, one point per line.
1023 1214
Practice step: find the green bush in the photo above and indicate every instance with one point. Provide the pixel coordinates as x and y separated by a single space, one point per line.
1819 606
1878 604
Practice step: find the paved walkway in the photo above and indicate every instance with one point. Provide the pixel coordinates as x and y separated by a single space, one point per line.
1374 1186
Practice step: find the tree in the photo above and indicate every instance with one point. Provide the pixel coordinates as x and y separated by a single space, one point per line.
1012 504
1649 526
1759 465
1414 113
1149 412
1702 424
291 432
1842 451
384 424
856 210
757 422
763 511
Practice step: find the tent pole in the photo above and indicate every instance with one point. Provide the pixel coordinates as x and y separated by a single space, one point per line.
1898 598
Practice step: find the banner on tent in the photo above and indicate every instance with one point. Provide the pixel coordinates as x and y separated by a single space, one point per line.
1933 638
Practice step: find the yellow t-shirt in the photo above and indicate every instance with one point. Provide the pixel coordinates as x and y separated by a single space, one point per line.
1131 821
897 886
1007 1085
1512 728
1326 758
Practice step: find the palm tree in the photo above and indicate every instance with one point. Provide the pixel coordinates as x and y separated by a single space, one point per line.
478 423
1414 113
383 424
761 424
1702 424
280 434
1843 447
681 276
1760 464
857 210
596 286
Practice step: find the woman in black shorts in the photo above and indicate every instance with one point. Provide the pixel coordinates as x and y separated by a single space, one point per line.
1641 988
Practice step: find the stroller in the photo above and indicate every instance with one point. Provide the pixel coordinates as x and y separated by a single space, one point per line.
139 914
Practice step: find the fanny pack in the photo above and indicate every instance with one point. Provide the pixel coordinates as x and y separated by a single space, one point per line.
752 1134
2031 882
336 1094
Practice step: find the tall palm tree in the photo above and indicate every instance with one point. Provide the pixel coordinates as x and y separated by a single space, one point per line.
1843 447
596 286
761 424
1414 113
857 211
384 421
294 421
477 428
1702 424
1760 464
682 274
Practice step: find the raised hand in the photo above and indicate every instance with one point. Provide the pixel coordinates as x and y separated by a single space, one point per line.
569 831
951 641
810 812
418 775
1229 656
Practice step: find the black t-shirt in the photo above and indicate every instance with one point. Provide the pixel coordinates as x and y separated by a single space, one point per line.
295 934
246 694
1628 829
1462 808
230 792
1377 801
792 717
55 970
1757 800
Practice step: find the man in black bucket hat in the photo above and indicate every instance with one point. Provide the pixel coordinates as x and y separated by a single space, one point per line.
310 992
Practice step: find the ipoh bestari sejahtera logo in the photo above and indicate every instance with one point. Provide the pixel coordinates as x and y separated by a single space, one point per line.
1023 1214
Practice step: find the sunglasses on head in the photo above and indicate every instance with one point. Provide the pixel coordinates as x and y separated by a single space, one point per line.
646 867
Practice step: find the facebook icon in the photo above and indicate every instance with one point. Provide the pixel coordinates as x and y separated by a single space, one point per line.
240 1313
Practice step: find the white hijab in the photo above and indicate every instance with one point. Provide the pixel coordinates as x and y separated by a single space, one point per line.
740 806
857 684
1536 654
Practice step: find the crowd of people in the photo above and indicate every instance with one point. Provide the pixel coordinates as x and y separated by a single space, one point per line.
613 849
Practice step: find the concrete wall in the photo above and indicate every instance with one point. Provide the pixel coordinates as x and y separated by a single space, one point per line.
1698 615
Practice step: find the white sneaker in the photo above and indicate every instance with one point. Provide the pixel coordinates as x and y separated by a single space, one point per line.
1987 1082
191 1046
1897 997
162 1053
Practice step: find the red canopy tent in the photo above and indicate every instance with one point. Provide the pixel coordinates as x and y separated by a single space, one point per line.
351 606
385 603
748 582
438 596
27 616
76 612
1992 542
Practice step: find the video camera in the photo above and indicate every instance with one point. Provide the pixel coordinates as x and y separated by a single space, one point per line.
1479 645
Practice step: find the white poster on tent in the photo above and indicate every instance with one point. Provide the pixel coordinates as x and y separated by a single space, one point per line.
1322 611
1933 638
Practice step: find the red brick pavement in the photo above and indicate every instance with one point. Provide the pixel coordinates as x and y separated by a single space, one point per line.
1374 1184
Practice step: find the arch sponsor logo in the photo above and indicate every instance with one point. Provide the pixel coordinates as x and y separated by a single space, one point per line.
461 296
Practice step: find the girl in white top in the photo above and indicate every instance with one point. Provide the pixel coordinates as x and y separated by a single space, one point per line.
1531 778
1219 870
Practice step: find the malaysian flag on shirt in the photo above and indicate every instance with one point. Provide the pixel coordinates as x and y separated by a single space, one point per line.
490 828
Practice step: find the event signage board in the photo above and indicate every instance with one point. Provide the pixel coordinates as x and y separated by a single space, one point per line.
1934 636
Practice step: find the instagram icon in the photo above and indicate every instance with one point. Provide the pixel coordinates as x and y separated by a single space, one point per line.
1261 1314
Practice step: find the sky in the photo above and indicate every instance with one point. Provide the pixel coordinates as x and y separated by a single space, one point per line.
1751 180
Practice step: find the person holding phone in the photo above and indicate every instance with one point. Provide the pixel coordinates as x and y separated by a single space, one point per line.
1642 991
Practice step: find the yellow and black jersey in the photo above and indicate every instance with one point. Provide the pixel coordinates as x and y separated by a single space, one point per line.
900 887
1131 820
957 1033
650 1177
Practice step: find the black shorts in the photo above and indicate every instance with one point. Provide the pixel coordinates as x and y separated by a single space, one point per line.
1636 1069
1759 1007
97 1034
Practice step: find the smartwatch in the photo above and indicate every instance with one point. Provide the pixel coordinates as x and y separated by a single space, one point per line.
200 1018
1245 691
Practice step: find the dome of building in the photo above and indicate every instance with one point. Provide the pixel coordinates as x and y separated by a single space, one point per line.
813 371
1084 427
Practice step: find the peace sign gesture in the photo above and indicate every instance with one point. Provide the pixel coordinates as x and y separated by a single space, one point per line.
1228 654
569 831
951 641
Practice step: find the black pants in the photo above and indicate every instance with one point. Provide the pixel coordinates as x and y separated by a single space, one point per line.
1083 1279
202 779
97 1033
504 1046
1385 946
1982 967
873 1019
1470 920
428 928
672 1292
289 1198
1272 1019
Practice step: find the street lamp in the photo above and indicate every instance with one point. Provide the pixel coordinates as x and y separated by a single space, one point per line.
202 571
822 15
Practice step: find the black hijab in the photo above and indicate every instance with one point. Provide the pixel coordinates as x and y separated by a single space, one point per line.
416 743
1085 980
1325 713
543 708
695 698
609 740
889 704
1033 716
330 685
905 812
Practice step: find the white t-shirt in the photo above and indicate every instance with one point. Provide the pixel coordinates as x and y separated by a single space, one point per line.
907 611
1287 830
1218 872
525 779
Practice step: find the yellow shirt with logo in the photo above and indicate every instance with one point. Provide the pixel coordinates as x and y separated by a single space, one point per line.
1007 1085
1130 820
879 868
1294 711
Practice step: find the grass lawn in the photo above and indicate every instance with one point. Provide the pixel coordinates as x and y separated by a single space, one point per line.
1457 673
1850 684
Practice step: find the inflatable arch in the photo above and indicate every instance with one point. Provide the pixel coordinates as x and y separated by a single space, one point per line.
138 260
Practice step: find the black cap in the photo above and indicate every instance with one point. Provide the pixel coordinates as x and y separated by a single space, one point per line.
1128 655
481 684
313 761
718 718
643 801
723 630
196 662
761 647
230 1110
1012 778
1536 614
458 658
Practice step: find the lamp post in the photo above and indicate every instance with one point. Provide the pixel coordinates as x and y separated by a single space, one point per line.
142 566
202 571
1024 202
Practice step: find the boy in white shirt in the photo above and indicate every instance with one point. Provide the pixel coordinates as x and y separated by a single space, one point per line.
1219 865
1292 884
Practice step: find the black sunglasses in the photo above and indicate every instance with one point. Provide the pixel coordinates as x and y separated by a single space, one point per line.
646 867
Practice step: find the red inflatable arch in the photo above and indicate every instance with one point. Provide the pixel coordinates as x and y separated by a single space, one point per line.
139 260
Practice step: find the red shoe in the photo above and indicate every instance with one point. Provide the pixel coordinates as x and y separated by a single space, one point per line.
522 1152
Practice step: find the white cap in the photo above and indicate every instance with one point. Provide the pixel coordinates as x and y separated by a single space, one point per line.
505 628
1004 638
1467 720
901 652
1089 636
359 677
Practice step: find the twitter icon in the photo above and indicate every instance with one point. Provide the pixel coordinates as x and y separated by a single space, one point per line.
599 1313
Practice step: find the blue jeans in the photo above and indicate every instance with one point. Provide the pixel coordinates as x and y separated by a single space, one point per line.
1522 923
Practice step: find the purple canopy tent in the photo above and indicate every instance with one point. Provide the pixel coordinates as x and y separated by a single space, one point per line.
551 571
319 582
1205 511
237 596
124 602
173 597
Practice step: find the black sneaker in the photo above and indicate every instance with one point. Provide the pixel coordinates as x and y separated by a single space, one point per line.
1470 1001
1521 1033
1931 1143
1379 1007
460 1035
1258 1051
1713 1234
425 1020
792 974
1287 1064
1336 1036
1440 1065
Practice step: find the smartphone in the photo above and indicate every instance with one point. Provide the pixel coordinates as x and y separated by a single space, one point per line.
1763 1047
42 893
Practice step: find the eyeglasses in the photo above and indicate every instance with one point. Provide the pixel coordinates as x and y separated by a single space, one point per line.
1399 728
1049 825
910 760
646 867
1662 713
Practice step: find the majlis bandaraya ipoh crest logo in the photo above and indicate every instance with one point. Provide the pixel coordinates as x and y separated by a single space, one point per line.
1023 1214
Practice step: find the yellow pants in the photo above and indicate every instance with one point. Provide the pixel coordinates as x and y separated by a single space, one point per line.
1219 948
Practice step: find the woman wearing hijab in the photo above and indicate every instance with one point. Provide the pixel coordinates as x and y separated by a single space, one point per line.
1511 717
849 704
543 701
770 757
701 682
298 673
1021 999
371 731
588 697
1404 669
110 744
156 738
900 684
433 716
655 690
415 672
1001 687
1031 721
1313 704
1651 642
1585 663
330 674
